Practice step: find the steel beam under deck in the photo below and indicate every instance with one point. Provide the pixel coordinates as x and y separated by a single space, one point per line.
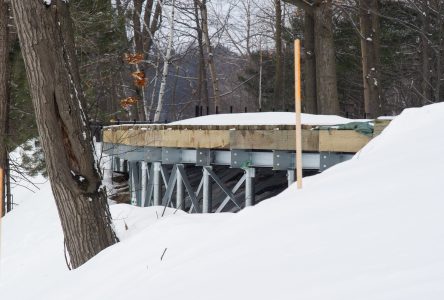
278 160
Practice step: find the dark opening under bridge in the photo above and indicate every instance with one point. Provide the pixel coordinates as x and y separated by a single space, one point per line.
189 166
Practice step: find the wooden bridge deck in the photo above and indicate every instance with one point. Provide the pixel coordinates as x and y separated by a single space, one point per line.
251 137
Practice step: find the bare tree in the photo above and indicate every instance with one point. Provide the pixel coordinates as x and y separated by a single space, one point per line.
46 38
166 65
369 24
210 53
278 80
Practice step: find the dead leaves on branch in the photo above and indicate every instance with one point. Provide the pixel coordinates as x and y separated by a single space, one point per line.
139 78
133 59
128 102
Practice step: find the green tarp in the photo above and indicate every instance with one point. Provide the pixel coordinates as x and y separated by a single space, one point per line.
365 128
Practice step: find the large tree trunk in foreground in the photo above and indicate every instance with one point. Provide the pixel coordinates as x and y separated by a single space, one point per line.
4 91
46 39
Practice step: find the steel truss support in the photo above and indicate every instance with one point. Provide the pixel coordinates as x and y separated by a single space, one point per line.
135 183
249 186
207 203
156 183
222 186
290 177
180 203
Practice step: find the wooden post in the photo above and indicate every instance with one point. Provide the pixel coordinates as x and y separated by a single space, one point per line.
297 99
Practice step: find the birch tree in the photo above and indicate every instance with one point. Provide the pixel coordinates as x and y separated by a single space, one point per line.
166 65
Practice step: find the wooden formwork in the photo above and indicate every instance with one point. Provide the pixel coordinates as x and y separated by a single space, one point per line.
257 137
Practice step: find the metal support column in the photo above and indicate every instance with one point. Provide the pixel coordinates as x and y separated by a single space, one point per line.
134 171
143 182
249 186
290 177
207 203
116 162
124 167
156 183
180 204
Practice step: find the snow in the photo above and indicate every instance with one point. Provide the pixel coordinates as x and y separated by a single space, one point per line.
369 228
261 118
265 118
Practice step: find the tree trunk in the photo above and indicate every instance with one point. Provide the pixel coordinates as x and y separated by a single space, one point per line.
138 48
369 23
426 86
278 80
46 39
4 91
202 85
309 103
326 82
166 65
148 33
210 54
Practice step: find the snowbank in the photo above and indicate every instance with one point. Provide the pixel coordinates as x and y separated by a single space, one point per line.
369 228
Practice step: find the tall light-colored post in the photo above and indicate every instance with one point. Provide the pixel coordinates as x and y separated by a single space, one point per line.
297 99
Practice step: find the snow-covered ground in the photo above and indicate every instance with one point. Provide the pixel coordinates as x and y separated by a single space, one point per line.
369 228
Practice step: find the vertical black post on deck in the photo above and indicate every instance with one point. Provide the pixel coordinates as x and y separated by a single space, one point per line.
246 110
217 110
196 111
231 109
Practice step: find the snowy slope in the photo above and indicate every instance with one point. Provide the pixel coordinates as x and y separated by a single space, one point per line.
370 228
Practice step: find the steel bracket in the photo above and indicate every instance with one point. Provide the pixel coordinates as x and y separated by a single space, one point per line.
204 157
171 156
240 159
283 160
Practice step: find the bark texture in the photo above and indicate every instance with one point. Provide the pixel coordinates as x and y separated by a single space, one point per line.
310 103
326 81
320 60
369 23
278 80
4 90
46 39
202 84
210 54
